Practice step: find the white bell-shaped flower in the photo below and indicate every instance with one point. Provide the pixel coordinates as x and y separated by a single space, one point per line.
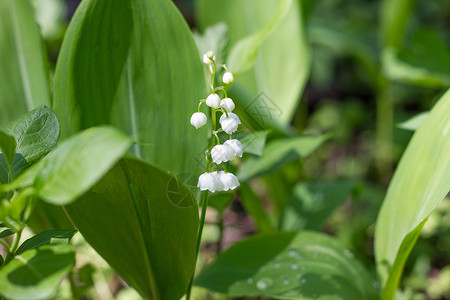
227 104
230 124
213 100
198 119
210 181
208 58
221 153
228 180
228 78
235 146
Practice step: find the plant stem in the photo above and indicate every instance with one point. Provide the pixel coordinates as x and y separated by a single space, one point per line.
199 238
13 248
221 228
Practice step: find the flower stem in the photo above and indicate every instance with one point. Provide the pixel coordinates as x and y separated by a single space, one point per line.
199 238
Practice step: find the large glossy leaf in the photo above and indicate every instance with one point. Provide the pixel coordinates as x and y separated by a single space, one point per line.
312 203
134 64
75 165
420 182
147 229
278 153
36 134
282 65
23 77
305 265
36 274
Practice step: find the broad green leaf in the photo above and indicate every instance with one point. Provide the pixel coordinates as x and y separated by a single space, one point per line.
313 202
8 151
147 229
47 237
23 76
425 61
414 123
36 274
282 65
244 53
305 265
5 231
134 64
420 182
278 153
47 216
36 134
75 165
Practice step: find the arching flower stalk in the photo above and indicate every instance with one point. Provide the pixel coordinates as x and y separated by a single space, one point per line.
216 177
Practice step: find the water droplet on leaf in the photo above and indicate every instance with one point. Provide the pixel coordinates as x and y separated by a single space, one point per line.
264 283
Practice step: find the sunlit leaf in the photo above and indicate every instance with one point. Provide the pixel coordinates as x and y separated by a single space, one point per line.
305 265
414 123
421 181
282 64
23 76
134 64
147 229
75 165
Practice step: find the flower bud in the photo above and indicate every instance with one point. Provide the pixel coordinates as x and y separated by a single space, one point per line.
228 180
235 146
221 153
227 104
213 100
210 54
210 181
198 119
228 78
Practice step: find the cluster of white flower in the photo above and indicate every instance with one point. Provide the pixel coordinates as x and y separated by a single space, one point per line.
229 122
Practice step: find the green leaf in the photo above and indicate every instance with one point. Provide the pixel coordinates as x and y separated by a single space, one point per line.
75 165
305 265
414 123
36 273
5 231
253 142
282 65
134 64
420 182
8 151
313 202
244 53
23 76
425 61
47 237
395 15
147 230
36 134
279 153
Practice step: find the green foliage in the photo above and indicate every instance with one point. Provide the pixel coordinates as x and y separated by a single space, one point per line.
47 237
278 153
147 229
23 75
420 182
306 265
36 273
281 67
312 203
75 165
414 123
133 64
36 134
